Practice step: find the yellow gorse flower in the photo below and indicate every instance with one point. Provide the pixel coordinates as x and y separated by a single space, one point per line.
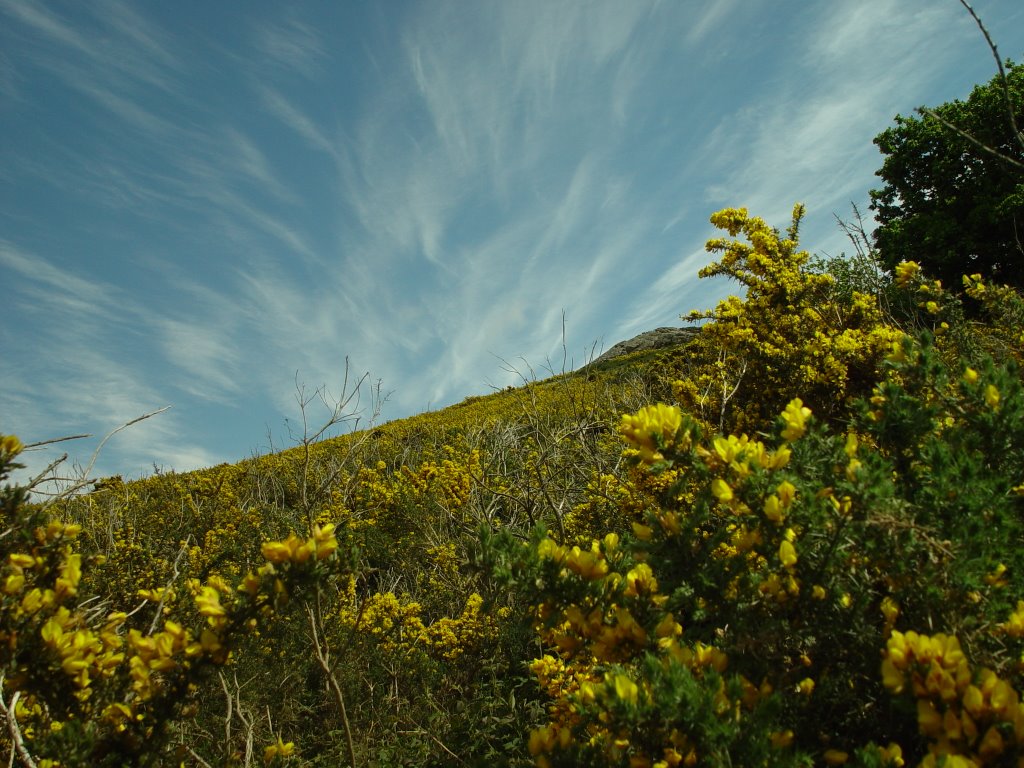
906 271
625 689
787 554
208 603
1014 625
10 446
279 749
651 425
296 550
639 580
991 396
795 416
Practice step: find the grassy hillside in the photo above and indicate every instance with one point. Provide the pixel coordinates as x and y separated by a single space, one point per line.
794 541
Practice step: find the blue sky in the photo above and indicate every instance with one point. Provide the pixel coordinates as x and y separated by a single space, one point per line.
201 203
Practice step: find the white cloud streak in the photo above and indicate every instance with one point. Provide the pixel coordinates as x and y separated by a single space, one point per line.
292 44
246 215
292 117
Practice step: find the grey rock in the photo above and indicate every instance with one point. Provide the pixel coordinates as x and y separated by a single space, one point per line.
656 339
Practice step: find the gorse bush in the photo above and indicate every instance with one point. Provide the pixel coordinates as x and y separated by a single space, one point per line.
792 334
97 686
744 620
813 556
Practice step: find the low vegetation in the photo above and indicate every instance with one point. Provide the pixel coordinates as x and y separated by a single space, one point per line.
797 540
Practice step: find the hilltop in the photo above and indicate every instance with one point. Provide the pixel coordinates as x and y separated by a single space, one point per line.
659 338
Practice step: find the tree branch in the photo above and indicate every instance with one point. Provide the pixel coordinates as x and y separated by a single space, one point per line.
1002 73
8 711
979 144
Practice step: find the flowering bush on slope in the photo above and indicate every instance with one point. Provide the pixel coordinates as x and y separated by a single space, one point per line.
792 335
80 684
809 593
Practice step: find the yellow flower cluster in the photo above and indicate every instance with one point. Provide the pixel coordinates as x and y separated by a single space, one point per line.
10 446
319 546
89 649
971 716
791 334
450 479
652 429
280 748
907 272
795 416
609 689
589 564
84 655
165 651
1014 626
375 492
451 638
560 681
398 629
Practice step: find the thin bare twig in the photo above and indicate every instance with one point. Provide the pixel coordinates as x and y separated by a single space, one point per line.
163 595
53 440
964 134
1006 97
420 729
1002 73
197 757
96 453
83 478
8 711
323 657
50 467
232 712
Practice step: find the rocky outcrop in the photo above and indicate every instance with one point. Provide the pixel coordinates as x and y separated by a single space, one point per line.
656 339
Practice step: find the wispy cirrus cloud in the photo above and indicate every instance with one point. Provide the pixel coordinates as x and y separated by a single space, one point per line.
808 135
294 118
57 290
831 99
712 15
40 19
291 43
515 131
121 44
72 376
247 159
206 207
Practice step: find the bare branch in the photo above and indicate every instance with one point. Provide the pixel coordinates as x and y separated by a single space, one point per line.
421 730
8 711
323 657
1002 73
53 440
163 595
83 478
960 132
196 757
49 468
96 453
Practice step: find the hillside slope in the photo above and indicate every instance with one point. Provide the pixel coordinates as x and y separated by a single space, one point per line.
772 545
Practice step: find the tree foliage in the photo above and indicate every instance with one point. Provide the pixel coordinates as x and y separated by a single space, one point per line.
951 203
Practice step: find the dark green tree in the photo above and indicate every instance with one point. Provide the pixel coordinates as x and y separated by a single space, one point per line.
953 194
